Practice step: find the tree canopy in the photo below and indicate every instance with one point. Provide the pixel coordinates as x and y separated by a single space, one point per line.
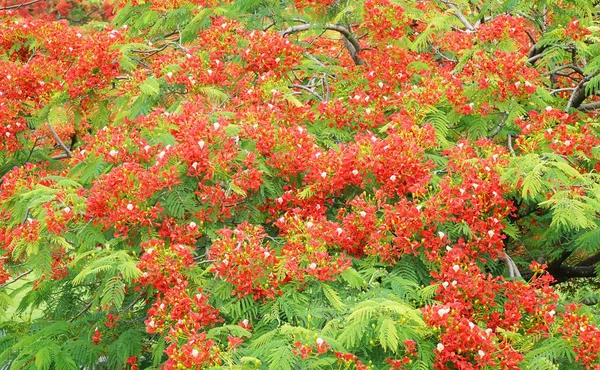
261 184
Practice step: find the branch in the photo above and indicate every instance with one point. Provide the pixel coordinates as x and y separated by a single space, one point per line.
350 41
85 309
513 270
17 278
59 141
577 97
590 261
17 6
565 273
567 66
589 107
461 17
535 53
306 88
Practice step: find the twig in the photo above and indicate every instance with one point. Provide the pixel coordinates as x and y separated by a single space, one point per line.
307 89
352 43
510 147
461 17
567 66
85 309
17 6
59 141
513 270
561 90
23 274
589 107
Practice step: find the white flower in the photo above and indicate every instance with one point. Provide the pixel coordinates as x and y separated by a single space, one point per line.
216 125
548 108
130 207
319 341
193 225
113 153
323 174
456 268
201 144
393 177
267 254
169 74
339 230
195 353
67 210
491 233
481 353
280 200
309 224
355 172
552 313
440 347
363 213
443 311
441 234
445 284
312 266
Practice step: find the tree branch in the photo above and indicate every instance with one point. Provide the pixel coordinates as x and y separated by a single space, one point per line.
590 261
513 270
350 41
589 107
17 6
85 309
59 141
461 17
23 274
307 89
565 273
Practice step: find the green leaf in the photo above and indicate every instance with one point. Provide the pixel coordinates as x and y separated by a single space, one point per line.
353 278
113 293
43 359
150 87
333 297
388 336
190 32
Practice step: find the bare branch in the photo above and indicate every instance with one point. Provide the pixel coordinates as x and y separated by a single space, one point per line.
513 270
59 141
17 6
21 275
567 66
589 107
555 91
350 41
85 309
307 89
461 17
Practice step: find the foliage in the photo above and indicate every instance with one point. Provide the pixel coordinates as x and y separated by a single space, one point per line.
299 184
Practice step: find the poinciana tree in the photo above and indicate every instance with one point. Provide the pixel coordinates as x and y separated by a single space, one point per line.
291 185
